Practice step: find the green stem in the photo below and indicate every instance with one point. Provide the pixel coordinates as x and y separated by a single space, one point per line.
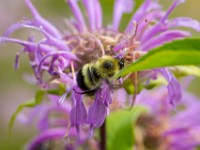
103 136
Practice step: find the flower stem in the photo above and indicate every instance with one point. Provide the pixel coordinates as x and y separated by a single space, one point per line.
103 136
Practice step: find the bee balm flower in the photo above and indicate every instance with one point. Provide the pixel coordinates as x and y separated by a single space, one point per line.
164 127
63 55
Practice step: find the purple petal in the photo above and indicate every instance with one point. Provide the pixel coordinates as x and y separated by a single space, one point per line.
106 95
47 135
175 131
185 22
164 37
46 120
62 98
61 45
155 100
69 23
144 9
189 114
14 27
174 89
78 113
120 7
66 55
162 25
98 14
28 45
171 8
147 6
78 15
89 5
97 113
120 46
144 24
190 138
191 119
39 19
156 29
64 78
27 120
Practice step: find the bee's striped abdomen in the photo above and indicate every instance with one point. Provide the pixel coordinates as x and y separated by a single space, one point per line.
94 77
80 81
88 78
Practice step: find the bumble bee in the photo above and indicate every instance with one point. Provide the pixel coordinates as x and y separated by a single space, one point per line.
91 75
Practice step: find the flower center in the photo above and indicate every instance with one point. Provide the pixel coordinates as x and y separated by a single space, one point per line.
148 133
91 46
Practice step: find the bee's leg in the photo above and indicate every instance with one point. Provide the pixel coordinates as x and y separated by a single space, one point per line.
115 86
89 92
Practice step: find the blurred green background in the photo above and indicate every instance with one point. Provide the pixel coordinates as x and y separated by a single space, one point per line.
14 89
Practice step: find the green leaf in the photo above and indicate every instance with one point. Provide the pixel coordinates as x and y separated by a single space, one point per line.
178 52
120 128
180 71
30 104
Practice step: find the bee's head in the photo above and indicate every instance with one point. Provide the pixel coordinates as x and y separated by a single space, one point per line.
107 66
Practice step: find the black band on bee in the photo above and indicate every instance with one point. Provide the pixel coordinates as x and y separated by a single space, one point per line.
93 76
89 74
80 81
96 73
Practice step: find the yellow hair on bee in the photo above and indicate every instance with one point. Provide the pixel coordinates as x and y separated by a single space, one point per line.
107 66
90 76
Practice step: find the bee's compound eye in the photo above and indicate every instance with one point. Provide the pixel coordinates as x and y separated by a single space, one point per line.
121 64
108 65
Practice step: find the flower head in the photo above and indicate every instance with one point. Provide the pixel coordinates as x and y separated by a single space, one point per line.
53 126
164 127
63 55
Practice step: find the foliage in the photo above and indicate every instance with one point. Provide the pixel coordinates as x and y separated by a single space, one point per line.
178 52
